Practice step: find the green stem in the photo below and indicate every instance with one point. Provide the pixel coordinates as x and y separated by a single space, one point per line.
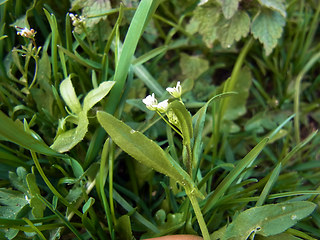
297 89
197 211
173 127
51 187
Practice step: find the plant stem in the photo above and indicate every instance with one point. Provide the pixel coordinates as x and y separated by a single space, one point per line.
197 211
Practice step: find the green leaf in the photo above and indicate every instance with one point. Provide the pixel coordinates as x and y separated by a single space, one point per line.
235 106
69 95
97 94
88 205
12 203
280 236
267 27
268 220
35 203
67 140
204 21
193 66
123 227
144 150
233 29
276 5
229 7
185 121
18 179
13 132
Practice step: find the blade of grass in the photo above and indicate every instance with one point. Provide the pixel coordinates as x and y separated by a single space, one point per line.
61 217
227 181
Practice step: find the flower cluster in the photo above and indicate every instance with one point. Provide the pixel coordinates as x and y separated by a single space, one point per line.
25 32
152 103
76 20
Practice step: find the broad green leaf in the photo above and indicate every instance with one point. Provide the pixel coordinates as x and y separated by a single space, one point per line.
69 95
268 220
95 95
144 150
204 21
276 5
267 27
37 206
193 66
229 7
13 132
67 140
280 236
235 106
228 180
185 121
233 29
12 203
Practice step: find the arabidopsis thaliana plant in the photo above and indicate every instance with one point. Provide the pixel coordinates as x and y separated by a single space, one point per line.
151 102
175 91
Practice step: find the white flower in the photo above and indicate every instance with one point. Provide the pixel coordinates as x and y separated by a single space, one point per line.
202 2
151 102
162 107
175 91
25 32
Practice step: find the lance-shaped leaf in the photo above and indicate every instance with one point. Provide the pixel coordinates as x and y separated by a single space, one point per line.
145 150
268 220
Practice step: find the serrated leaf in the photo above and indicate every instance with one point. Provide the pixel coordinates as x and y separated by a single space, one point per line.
229 7
268 220
204 21
67 140
277 5
12 202
267 27
69 95
96 95
233 29
18 179
193 66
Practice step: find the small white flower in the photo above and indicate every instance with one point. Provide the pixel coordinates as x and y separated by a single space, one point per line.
151 102
25 32
175 91
162 107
